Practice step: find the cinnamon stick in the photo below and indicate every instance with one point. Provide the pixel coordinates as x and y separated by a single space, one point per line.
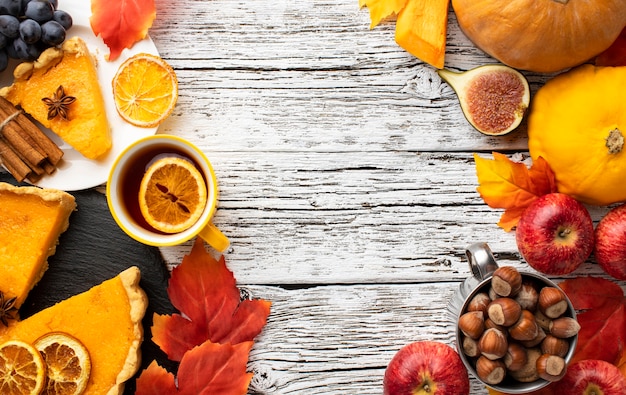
13 163
21 145
26 127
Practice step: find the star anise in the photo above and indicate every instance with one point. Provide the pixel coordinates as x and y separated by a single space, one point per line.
7 309
59 104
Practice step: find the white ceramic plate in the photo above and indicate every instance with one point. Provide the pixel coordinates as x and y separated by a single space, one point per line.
75 172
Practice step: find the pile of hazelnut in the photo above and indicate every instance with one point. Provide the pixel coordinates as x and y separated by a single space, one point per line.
517 326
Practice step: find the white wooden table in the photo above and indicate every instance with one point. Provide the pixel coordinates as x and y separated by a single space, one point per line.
347 183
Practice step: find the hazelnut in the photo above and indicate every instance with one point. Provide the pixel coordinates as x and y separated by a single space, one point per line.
515 357
564 327
542 320
528 372
479 302
506 281
491 372
525 328
504 311
490 324
470 347
541 334
472 324
493 344
528 296
552 302
555 346
551 367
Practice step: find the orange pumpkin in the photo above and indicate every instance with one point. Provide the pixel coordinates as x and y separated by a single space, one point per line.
541 35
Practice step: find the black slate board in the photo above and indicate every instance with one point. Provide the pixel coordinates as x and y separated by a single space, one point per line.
92 250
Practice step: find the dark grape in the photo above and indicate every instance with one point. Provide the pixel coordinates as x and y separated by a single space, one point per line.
39 10
52 33
63 18
25 51
11 7
4 60
4 41
30 31
9 26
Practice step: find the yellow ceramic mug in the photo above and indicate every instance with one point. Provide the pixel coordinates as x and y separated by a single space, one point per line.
123 192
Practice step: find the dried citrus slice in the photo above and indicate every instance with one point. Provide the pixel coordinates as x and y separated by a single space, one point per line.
172 194
68 363
22 369
145 90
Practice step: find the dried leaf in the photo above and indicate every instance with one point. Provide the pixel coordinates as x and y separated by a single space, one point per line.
121 23
205 292
210 368
382 9
602 318
511 185
213 368
155 380
615 55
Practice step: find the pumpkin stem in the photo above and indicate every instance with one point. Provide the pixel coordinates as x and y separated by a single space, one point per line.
615 141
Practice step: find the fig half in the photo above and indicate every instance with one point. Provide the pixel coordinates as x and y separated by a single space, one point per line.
494 98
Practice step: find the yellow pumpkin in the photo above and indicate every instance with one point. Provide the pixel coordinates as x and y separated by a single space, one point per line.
577 123
541 35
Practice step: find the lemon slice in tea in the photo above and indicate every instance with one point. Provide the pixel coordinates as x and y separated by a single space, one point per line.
172 195
145 90
22 369
68 364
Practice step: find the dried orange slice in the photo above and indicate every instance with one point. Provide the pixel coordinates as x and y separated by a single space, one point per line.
145 90
172 195
22 369
68 363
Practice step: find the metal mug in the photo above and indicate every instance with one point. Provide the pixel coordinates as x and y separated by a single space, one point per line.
482 265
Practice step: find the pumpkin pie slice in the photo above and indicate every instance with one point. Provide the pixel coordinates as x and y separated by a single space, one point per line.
31 221
57 76
106 319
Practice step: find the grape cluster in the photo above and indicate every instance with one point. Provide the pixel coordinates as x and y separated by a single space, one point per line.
28 27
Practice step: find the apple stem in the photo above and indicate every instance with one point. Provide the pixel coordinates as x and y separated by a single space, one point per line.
564 232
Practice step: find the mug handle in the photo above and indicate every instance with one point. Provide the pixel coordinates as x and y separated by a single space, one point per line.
481 260
214 237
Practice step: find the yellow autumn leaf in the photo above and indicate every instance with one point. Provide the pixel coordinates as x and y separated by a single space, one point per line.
382 9
512 185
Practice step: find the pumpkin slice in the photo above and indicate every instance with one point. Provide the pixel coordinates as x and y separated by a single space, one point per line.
421 30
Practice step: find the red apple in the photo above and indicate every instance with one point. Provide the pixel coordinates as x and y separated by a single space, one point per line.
610 249
555 234
426 367
591 377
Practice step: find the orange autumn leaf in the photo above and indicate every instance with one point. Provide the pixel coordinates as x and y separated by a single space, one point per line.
209 368
602 318
615 55
382 9
155 380
121 23
512 185
205 292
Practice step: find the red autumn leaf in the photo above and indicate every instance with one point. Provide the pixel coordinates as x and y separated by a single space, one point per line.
213 368
512 185
602 317
155 380
121 23
205 292
210 368
615 55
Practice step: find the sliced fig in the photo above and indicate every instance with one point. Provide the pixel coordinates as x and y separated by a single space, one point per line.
494 98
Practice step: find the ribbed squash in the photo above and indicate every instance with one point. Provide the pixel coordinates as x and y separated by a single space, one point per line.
541 35
577 124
